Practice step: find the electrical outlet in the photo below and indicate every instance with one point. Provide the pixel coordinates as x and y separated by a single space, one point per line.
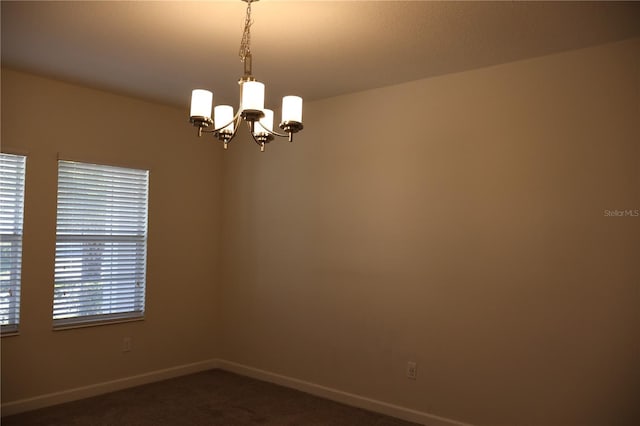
126 344
412 370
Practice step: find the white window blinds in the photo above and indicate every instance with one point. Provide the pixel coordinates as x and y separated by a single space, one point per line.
12 170
101 243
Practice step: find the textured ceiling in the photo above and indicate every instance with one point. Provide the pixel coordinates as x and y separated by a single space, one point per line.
316 49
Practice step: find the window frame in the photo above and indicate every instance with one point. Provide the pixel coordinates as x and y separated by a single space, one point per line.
93 246
17 207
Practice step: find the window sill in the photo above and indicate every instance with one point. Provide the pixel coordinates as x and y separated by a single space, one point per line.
97 323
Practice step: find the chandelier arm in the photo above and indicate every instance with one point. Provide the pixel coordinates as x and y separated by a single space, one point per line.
225 137
260 143
281 135
236 124
252 135
233 120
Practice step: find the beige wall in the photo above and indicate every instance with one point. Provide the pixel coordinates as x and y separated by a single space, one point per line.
457 222
45 117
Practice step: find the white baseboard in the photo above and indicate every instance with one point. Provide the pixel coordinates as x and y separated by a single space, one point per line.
41 401
340 396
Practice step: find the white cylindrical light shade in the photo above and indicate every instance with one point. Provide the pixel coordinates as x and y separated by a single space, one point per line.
265 122
292 109
252 95
223 114
201 102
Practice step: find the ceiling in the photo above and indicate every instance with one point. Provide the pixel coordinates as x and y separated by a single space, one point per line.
315 49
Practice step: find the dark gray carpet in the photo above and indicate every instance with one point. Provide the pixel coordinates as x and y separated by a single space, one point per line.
212 398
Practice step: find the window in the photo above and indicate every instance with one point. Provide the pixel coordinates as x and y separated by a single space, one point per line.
12 169
101 244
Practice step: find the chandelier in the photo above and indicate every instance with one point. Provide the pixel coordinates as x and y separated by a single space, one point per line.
225 123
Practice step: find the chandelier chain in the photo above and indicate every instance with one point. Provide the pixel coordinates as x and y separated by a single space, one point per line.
245 43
